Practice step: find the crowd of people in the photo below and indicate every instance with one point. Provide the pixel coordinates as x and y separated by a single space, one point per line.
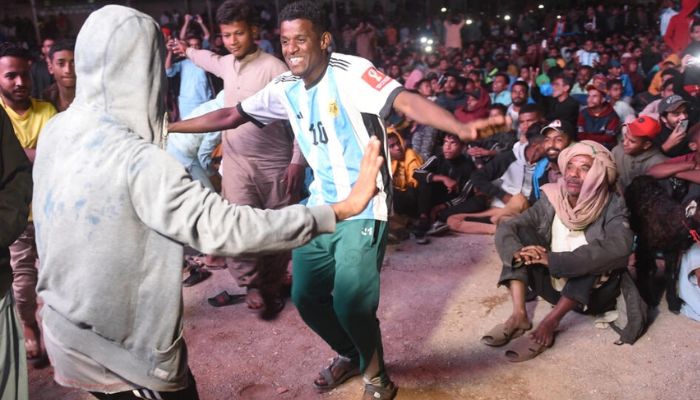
571 136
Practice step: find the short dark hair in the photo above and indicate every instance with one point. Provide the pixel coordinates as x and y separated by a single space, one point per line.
61 45
531 108
8 49
236 11
502 75
566 80
500 107
612 82
533 133
305 9
521 83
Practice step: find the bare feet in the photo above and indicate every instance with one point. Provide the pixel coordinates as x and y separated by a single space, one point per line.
254 299
544 333
517 321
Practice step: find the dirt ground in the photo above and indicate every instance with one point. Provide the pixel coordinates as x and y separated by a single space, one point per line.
437 301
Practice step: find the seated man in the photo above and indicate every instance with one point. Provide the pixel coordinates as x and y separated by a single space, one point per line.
442 180
578 234
497 141
637 153
558 135
598 121
684 170
404 162
505 183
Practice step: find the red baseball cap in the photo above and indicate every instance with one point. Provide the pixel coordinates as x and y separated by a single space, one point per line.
644 126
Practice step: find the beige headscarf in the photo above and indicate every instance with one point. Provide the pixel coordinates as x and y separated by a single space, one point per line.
595 190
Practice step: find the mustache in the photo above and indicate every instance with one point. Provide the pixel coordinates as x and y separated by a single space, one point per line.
576 181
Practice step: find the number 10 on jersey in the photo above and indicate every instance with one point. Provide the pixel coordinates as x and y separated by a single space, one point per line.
319 133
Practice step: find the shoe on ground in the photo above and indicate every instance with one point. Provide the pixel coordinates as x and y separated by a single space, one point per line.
422 238
196 276
437 228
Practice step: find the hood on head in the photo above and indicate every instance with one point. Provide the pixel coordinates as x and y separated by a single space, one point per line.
688 7
119 57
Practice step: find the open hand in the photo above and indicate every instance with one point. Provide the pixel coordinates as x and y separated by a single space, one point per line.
366 185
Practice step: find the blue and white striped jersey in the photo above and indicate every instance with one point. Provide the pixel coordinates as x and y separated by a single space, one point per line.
333 121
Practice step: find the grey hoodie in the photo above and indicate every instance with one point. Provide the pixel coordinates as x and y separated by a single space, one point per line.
112 210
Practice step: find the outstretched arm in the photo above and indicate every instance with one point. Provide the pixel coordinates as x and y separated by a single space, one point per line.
225 118
425 112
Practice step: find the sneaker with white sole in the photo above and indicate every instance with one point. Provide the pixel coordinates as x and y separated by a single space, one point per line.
437 228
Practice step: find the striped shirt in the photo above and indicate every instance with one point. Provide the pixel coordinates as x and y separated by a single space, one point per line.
333 120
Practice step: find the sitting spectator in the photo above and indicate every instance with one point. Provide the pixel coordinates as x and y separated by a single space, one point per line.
568 248
685 168
452 95
472 109
483 150
621 107
529 115
615 72
519 97
583 79
558 135
637 153
673 114
506 182
404 162
598 121
560 105
442 180
499 89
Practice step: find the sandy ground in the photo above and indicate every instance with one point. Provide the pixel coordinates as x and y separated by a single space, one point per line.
437 301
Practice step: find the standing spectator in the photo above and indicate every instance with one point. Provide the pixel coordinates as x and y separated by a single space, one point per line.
194 85
365 39
28 117
186 31
62 66
40 75
677 34
15 195
453 32
667 12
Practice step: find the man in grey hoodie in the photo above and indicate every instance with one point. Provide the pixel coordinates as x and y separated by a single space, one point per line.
113 210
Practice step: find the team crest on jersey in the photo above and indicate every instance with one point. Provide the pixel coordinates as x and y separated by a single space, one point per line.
375 78
333 109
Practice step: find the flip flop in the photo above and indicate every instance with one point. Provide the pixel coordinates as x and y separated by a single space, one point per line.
349 370
499 335
225 299
525 349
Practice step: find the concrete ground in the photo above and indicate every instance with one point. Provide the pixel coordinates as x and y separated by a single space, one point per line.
437 301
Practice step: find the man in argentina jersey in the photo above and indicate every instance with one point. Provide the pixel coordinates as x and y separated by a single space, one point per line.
335 103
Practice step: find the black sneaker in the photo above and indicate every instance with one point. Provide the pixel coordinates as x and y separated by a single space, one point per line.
437 228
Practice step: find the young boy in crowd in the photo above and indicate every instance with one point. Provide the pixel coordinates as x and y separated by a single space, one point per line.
404 162
443 184
637 153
